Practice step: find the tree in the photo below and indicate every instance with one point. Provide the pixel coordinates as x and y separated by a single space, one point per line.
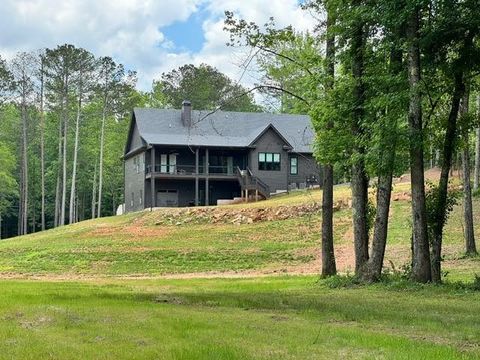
7 179
206 88
476 175
452 49
84 67
360 177
387 103
470 246
328 253
59 68
7 160
421 269
22 69
112 82
41 75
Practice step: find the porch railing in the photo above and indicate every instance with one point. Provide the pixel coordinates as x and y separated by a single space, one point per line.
189 169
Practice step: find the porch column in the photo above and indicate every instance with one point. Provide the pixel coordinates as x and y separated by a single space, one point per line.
196 176
152 178
207 165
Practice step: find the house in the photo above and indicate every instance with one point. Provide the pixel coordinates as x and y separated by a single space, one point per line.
188 157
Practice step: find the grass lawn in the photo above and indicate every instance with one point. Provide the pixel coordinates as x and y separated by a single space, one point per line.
133 246
138 287
256 318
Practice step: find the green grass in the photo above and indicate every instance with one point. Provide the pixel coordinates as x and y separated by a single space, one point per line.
268 318
132 245
100 295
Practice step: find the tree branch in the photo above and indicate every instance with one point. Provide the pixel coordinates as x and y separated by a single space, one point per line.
270 87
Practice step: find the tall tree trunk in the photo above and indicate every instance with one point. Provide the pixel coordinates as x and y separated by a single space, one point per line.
421 270
441 201
476 175
328 254
94 192
64 164
373 270
24 217
57 188
359 174
329 267
42 145
470 246
72 206
100 171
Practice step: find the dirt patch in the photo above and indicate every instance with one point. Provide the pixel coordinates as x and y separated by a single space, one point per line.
236 216
430 174
137 229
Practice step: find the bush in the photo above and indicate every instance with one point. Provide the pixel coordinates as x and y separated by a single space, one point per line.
476 283
342 281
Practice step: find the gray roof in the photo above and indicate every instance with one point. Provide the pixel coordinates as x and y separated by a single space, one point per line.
221 128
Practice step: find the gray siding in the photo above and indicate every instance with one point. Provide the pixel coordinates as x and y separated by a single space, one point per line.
134 183
307 167
136 139
271 142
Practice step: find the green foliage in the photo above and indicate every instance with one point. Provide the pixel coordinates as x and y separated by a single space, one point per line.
8 188
206 88
371 212
476 193
431 197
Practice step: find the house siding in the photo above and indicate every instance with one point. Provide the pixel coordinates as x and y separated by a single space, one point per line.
307 167
136 139
271 142
134 183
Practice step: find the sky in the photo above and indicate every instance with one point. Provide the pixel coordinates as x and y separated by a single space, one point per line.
149 36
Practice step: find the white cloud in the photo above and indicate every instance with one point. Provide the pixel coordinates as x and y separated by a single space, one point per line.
130 30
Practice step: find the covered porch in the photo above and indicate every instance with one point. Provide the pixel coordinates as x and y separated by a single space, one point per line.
162 192
187 176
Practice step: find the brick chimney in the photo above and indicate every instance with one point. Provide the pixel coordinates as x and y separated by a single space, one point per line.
186 113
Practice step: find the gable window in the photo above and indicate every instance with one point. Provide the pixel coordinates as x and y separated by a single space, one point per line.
294 165
269 161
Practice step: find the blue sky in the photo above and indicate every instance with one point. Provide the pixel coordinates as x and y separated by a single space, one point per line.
150 37
187 35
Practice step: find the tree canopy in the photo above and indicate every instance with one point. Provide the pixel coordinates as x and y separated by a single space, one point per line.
205 87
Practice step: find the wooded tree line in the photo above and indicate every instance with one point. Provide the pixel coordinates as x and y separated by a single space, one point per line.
64 117
390 86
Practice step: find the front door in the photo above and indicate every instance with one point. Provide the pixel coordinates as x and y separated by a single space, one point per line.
167 198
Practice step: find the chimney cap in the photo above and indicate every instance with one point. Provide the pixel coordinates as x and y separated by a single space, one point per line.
186 103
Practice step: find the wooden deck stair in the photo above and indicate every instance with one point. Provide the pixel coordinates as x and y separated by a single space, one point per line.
251 185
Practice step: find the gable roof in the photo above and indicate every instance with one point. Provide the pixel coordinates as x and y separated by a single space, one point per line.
221 128
264 130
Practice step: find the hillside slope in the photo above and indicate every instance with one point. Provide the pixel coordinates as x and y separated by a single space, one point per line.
281 235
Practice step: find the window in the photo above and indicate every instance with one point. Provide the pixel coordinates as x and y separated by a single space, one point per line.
168 163
133 199
294 165
269 161
141 197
